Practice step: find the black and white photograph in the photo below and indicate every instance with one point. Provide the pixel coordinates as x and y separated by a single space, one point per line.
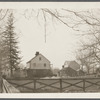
49 48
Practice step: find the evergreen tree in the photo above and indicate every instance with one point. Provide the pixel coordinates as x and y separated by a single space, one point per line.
11 45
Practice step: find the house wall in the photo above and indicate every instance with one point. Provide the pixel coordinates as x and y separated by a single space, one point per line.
39 62
28 65
68 72
73 64
80 73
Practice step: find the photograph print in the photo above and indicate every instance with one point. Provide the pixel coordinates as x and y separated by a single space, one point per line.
50 49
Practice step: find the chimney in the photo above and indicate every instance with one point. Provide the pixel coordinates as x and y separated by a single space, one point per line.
37 53
62 66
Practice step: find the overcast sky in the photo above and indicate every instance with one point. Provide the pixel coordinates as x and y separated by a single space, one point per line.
60 45
61 41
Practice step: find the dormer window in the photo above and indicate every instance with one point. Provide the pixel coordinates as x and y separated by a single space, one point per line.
39 58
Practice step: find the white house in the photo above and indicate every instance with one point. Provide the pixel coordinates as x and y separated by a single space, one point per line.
39 62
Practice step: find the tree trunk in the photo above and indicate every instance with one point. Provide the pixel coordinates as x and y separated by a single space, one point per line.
11 72
1 83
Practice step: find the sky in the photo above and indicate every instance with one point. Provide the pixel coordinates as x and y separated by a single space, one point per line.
61 41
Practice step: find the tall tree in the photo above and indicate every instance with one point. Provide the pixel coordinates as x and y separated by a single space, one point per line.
11 45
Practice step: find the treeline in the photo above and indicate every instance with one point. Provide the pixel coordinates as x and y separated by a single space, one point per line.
9 50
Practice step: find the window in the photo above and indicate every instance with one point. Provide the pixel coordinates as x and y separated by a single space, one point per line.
34 64
44 64
39 58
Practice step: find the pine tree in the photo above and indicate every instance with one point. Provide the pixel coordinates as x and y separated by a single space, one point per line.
11 45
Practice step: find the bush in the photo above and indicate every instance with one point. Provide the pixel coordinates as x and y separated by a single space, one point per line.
39 73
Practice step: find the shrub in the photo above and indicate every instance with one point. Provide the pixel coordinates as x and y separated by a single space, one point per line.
39 73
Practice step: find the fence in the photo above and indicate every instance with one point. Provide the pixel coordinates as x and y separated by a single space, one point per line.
56 85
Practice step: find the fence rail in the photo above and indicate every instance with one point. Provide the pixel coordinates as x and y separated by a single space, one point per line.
57 84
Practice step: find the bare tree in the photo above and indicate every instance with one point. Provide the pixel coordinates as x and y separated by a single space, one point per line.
78 20
86 23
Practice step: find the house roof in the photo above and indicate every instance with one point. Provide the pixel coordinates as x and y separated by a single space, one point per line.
72 64
36 56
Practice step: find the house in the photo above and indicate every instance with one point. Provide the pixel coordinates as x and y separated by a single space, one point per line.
68 72
70 69
38 62
39 66
72 64
80 72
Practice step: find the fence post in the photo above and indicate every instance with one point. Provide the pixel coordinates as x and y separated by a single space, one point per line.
84 85
60 85
1 84
34 85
